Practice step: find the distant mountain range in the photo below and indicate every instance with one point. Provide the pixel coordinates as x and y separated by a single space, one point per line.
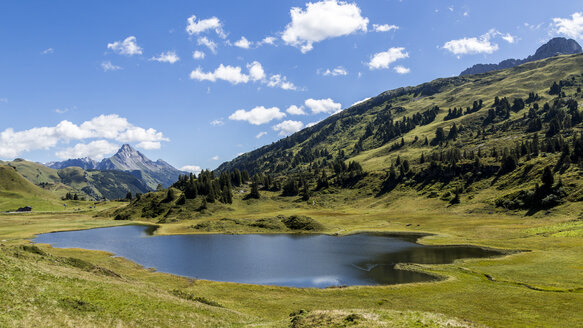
129 160
556 46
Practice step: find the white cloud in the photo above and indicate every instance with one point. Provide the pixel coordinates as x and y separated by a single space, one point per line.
204 41
333 72
198 54
466 14
384 27
128 47
97 150
279 81
258 115
360 101
295 110
572 28
217 122
288 127
243 43
215 158
268 40
61 111
191 168
149 145
231 74
309 125
470 46
111 127
260 134
256 72
322 20
323 106
166 57
401 69
533 27
382 60
508 38
193 27
235 75
108 66
47 51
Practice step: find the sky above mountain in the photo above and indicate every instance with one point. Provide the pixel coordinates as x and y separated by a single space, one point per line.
199 82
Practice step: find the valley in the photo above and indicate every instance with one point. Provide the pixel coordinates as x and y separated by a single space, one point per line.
492 160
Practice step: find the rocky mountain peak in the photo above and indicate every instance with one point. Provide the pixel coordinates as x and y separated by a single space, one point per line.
127 151
554 47
557 46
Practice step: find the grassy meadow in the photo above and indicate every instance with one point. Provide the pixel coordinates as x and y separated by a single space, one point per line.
539 286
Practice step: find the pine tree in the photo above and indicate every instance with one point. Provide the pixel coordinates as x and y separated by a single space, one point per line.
254 193
547 178
305 192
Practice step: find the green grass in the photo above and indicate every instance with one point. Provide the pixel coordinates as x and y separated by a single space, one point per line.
539 287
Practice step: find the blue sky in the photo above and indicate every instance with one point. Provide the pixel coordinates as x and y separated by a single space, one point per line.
80 78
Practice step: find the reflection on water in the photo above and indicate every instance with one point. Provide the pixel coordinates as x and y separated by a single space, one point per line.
282 259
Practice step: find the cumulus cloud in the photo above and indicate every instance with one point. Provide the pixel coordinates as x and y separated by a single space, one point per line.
112 127
338 71
327 106
401 69
198 54
508 38
194 27
243 43
204 41
280 81
235 75
128 47
47 51
97 150
217 122
258 115
268 40
149 145
475 45
322 20
166 57
256 72
384 27
231 74
382 60
108 66
295 110
215 158
191 168
260 134
288 127
572 28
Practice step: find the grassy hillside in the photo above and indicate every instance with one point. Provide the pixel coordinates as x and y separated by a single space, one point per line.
340 133
91 184
16 192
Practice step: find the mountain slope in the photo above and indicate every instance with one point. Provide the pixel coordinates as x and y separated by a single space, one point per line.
338 136
85 163
92 183
16 192
129 160
556 46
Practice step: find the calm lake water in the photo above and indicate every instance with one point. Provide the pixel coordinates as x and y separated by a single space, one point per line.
282 259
